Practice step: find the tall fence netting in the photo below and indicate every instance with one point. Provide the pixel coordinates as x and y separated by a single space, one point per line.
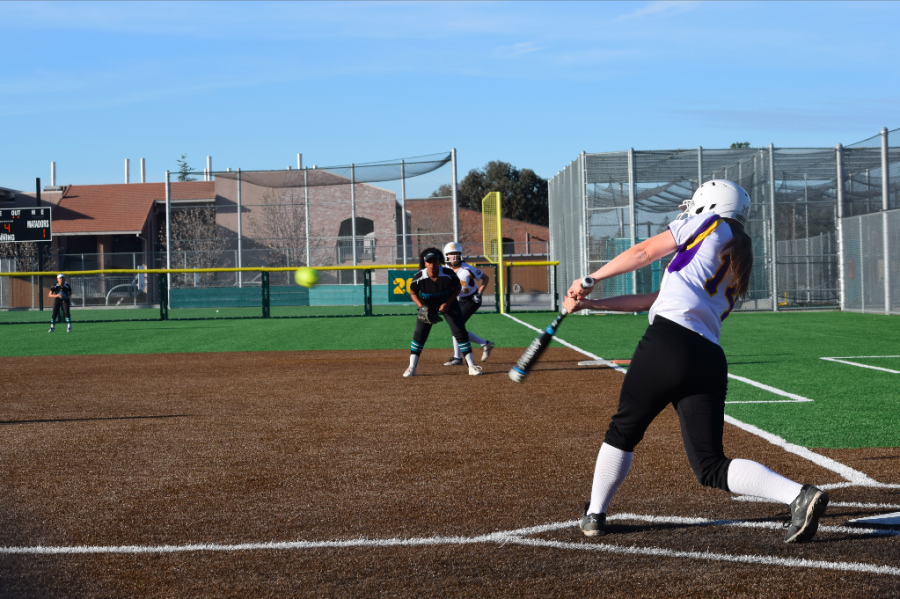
602 204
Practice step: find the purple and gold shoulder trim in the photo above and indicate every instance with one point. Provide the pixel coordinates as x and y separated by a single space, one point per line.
687 250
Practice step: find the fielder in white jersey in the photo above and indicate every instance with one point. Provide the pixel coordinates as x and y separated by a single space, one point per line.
473 283
679 359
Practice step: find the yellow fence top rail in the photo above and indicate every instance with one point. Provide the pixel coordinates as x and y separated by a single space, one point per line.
130 271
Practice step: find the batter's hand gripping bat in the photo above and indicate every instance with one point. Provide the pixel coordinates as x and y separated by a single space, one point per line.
537 347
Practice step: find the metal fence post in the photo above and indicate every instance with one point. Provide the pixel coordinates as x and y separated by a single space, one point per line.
367 292
774 236
632 213
265 294
862 270
885 206
353 218
240 232
839 192
555 289
699 166
403 206
496 288
586 233
168 231
454 193
508 287
306 210
163 296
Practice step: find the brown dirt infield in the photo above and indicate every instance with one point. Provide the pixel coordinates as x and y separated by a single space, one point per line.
152 450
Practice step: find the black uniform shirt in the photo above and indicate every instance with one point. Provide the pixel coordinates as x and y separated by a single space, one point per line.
63 290
435 293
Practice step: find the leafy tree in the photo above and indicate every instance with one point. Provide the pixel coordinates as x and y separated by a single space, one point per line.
184 170
524 193
738 145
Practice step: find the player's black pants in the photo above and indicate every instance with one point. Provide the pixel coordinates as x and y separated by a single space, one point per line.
455 321
468 307
61 304
674 365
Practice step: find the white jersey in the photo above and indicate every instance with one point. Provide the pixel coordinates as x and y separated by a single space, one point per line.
696 290
469 277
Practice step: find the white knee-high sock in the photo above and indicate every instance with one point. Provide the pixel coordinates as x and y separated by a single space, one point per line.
746 477
470 359
609 474
456 352
413 360
476 339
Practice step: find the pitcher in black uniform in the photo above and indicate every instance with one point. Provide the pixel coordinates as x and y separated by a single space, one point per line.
437 288
62 299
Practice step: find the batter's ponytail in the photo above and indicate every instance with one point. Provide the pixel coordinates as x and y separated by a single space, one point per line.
741 248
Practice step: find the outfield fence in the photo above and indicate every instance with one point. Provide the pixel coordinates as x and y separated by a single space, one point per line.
189 294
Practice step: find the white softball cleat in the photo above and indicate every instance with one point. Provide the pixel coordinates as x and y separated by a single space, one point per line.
475 371
411 371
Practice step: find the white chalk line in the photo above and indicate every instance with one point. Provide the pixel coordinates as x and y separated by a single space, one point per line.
520 536
856 504
847 359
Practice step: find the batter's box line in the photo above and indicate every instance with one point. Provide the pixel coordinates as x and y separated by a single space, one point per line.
514 537
846 360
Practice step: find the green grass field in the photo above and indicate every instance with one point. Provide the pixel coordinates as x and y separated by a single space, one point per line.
852 407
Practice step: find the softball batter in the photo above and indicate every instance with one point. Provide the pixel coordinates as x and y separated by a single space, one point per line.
473 282
434 290
679 359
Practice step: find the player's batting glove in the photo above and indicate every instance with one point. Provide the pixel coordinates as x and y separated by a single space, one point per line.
425 315
476 298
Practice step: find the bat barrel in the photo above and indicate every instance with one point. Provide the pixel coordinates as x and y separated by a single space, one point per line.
517 375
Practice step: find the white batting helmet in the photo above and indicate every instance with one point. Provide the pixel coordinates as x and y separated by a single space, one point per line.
719 196
450 249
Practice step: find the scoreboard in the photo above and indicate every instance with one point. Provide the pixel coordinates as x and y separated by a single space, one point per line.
25 224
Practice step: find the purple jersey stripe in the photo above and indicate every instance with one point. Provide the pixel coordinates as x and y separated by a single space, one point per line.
686 251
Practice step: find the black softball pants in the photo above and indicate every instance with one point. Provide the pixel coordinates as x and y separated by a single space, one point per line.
468 307
455 321
65 306
674 365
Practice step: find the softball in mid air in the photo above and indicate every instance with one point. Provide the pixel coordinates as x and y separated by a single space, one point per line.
306 277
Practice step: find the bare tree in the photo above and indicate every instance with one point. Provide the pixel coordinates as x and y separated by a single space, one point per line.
197 238
280 224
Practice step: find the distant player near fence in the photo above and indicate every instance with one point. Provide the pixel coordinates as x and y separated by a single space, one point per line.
62 301
472 281
679 359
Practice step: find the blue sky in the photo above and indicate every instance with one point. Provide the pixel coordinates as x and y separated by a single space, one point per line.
252 84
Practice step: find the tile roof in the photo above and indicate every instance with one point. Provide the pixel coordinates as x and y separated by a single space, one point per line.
120 208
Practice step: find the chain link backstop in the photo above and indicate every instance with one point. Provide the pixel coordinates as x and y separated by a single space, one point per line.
602 204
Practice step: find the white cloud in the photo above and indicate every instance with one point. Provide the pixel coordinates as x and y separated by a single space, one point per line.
516 50
657 8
